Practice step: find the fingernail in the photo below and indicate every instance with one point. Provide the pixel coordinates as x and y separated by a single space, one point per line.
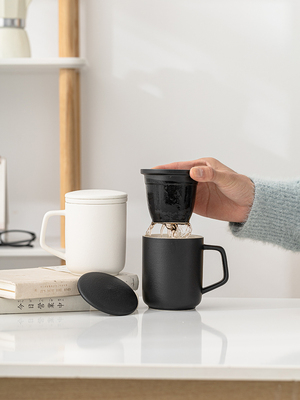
198 172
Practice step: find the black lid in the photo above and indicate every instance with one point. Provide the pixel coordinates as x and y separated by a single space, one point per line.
107 293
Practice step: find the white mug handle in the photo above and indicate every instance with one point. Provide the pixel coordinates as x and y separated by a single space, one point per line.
43 244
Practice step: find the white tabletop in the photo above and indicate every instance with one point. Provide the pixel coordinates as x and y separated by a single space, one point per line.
231 339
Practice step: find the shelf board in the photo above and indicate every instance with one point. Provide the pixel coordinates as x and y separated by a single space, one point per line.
40 64
35 251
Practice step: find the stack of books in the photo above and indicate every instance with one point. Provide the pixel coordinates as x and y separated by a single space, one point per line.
45 289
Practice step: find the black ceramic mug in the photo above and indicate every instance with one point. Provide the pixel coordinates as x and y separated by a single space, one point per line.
173 272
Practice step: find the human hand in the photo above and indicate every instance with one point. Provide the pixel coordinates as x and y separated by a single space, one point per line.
221 193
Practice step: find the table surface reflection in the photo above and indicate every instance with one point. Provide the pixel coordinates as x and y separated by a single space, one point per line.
221 339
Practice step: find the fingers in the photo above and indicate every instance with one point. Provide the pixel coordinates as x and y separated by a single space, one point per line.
177 165
236 187
190 164
207 173
206 170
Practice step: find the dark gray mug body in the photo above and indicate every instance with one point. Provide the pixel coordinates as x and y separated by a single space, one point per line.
173 270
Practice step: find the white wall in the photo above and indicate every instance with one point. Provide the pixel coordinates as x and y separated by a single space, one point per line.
168 80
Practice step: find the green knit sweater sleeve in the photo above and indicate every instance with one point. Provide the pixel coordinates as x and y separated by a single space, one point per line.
274 216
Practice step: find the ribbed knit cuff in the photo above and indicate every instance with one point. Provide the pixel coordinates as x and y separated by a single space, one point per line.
274 216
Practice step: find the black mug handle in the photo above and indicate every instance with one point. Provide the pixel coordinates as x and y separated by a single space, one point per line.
225 268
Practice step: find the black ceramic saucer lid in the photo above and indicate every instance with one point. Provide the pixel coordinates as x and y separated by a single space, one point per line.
107 293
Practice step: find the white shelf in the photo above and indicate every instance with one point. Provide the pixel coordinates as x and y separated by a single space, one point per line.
40 64
35 251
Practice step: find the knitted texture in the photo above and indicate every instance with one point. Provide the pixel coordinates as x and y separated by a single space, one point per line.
274 216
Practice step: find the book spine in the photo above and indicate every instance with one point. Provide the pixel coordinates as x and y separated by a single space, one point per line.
44 305
53 288
131 279
57 288
3 195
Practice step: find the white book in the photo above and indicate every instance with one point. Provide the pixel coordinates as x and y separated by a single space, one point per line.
44 305
33 283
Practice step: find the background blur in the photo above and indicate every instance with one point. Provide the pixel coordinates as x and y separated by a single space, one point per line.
167 80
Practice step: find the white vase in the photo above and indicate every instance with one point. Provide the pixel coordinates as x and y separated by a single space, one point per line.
13 37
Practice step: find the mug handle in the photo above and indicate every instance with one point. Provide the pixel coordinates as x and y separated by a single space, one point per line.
43 244
225 268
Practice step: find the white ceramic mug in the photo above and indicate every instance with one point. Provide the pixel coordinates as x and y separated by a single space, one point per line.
95 231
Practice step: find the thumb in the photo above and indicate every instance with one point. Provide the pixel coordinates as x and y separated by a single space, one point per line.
206 173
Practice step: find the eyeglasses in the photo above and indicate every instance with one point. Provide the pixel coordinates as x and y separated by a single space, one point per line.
17 238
